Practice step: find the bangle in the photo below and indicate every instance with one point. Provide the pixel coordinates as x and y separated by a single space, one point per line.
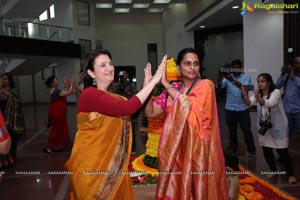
169 87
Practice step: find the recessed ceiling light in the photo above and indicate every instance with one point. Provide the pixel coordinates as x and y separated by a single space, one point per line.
141 5
121 10
235 7
202 26
103 5
123 1
161 1
155 10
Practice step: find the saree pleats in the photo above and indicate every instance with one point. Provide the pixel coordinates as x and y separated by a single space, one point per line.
100 150
191 163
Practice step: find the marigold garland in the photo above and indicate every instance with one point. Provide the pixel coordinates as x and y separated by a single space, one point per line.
248 182
172 71
138 165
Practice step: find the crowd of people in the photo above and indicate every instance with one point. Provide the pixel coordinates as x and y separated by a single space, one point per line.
190 140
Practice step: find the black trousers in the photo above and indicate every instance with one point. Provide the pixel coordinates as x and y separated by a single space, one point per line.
284 156
243 118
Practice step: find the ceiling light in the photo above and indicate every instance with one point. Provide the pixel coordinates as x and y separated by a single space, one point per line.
235 7
202 26
141 5
161 1
123 1
103 5
156 9
121 10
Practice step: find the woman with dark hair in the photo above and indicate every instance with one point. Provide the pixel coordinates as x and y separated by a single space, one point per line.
272 124
101 151
190 158
59 139
10 104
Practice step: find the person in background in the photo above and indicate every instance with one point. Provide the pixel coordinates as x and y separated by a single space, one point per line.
190 140
4 136
103 140
4 139
127 88
80 85
272 124
59 139
236 111
290 81
10 104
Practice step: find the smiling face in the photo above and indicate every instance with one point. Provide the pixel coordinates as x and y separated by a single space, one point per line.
103 71
190 66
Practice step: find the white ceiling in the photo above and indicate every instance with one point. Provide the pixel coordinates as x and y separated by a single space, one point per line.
160 5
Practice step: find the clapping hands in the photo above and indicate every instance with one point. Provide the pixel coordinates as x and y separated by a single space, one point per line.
160 72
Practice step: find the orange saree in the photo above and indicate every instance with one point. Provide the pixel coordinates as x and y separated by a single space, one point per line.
190 157
100 157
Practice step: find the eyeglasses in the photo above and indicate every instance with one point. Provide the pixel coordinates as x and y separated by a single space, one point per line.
190 63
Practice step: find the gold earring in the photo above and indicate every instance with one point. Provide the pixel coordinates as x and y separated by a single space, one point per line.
179 72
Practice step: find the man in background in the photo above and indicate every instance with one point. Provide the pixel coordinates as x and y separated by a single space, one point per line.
289 80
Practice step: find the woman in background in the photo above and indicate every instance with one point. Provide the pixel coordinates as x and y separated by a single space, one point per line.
59 139
4 139
272 124
10 104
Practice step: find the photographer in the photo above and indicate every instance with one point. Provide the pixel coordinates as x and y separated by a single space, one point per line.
272 124
236 111
290 81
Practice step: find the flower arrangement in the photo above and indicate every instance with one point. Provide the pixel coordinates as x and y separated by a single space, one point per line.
252 187
172 71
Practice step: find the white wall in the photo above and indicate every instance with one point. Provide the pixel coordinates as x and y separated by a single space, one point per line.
263 43
176 38
126 37
222 48
25 88
82 31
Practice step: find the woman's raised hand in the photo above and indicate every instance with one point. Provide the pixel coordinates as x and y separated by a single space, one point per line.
161 70
148 74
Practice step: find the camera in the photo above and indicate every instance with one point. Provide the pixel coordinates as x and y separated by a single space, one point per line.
264 126
289 69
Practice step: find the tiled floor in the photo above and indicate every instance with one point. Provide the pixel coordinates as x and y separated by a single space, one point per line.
39 184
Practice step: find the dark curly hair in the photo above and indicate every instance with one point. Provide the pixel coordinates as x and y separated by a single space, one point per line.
10 78
49 81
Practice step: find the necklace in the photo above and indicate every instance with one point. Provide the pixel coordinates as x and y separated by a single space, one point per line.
190 87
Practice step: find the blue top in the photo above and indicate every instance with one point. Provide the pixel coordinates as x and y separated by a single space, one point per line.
234 97
292 93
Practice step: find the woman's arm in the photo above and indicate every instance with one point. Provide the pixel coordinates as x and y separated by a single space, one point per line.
274 99
93 100
245 96
69 85
148 87
152 110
